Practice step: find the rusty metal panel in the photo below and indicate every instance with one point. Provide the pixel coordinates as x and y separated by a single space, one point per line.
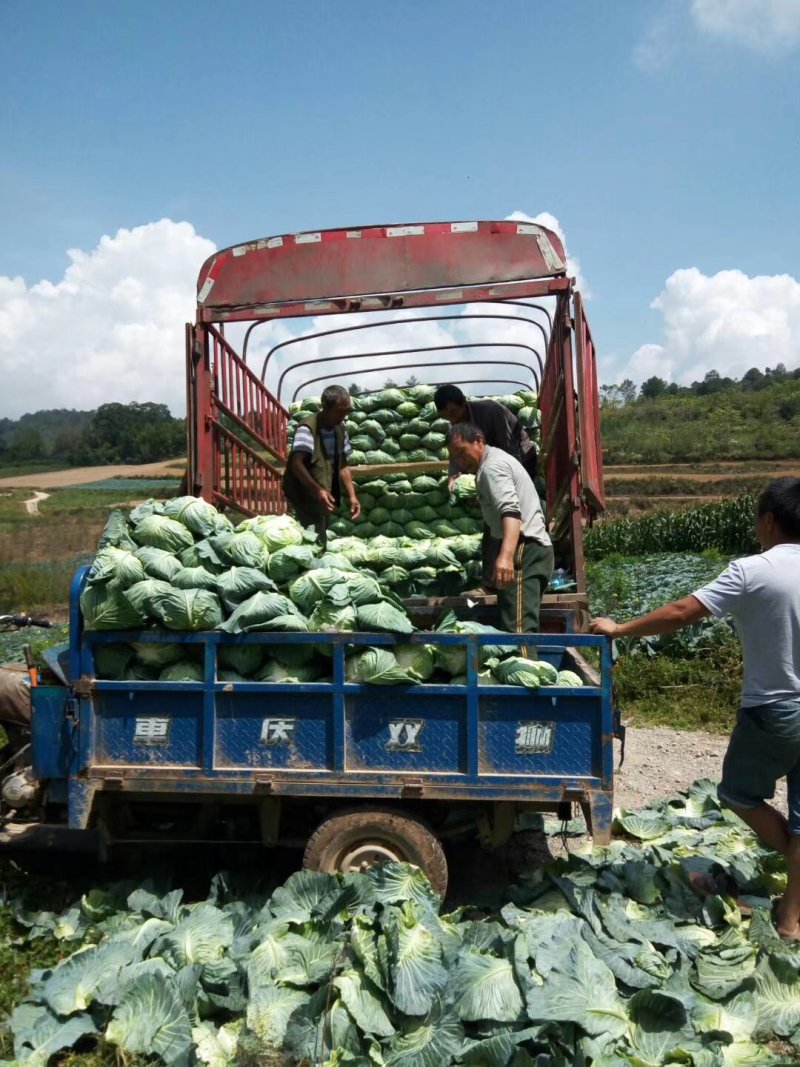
242 478
241 396
491 293
324 265
556 402
591 449
199 407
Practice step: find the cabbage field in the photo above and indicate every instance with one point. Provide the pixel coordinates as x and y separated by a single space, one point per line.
605 959
625 586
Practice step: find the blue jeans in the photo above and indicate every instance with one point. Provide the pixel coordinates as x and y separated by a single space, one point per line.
764 746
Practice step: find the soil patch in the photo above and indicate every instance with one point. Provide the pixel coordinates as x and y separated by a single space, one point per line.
701 472
82 475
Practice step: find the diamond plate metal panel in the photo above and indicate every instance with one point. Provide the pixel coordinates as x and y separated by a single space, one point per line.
405 731
129 730
51 732
507 735
281 730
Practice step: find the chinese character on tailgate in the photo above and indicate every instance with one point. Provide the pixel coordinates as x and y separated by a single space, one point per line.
404 735
277 731
535 737
151 731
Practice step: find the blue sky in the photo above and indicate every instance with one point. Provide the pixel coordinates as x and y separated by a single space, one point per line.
664 136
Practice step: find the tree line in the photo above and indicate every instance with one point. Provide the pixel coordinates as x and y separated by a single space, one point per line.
752 381
755 417
113 433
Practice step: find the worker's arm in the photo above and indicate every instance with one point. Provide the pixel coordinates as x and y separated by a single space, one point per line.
664 620
303 475
504 567
346 478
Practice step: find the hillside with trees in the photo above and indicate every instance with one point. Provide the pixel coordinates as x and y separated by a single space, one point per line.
114 433
718 418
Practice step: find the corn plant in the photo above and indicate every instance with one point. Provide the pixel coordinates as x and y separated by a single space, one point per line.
727 526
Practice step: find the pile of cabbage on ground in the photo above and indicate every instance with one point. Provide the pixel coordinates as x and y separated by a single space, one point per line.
182 566
603 959
402 425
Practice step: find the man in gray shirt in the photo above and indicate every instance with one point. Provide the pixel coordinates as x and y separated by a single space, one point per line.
523 557
762 593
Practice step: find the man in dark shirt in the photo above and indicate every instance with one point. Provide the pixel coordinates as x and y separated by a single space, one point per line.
500 429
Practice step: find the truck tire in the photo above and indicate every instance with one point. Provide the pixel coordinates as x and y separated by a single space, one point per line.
357 840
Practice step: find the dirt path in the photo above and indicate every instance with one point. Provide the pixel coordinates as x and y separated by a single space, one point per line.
82 475
696 472
660 762
32 504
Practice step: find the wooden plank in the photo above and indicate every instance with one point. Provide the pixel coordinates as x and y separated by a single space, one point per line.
430 466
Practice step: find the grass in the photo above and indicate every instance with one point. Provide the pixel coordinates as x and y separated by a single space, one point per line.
764 467
693 693
17 470
677 486
158 487
39 554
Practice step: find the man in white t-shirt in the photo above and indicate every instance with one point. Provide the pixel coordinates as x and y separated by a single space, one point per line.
762 593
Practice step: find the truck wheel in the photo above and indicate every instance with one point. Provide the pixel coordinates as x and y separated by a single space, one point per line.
358 840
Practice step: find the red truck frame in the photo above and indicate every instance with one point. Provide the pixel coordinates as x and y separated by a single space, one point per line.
237 427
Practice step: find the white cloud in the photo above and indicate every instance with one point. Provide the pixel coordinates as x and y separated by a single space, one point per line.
544 218
659 44
112 329
727 322
466 362
767 26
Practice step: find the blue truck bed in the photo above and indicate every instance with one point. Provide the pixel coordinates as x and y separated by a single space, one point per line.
337 742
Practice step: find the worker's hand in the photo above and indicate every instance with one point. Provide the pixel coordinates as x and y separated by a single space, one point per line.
326 500
355 507
603 627
451 481
504 570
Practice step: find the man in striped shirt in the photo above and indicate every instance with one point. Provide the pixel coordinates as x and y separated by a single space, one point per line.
317 468
513 513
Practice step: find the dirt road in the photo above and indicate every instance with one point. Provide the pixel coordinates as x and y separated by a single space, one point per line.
32 505
703 472
82 475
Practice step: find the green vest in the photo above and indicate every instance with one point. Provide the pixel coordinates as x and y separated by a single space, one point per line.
320 467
